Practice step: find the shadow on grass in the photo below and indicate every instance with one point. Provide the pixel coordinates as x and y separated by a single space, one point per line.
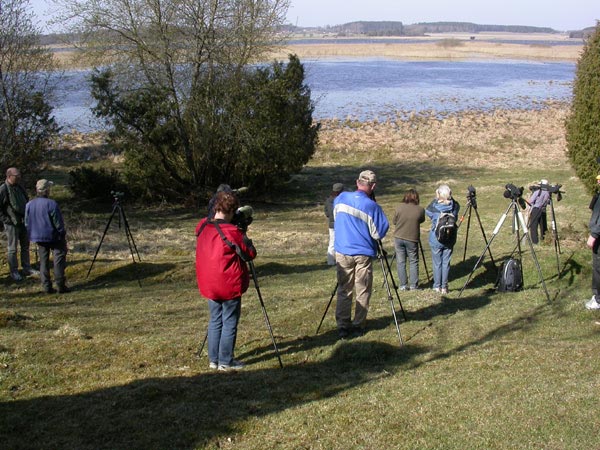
190 412
133 272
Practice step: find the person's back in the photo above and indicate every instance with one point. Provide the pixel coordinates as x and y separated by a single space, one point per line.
407 219
359 224
44 220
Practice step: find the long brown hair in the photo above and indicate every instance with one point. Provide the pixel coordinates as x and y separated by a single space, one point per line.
411 196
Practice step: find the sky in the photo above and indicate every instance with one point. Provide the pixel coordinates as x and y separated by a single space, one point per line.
561 15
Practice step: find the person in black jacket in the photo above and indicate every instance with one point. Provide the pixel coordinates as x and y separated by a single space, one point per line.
594 243
13 199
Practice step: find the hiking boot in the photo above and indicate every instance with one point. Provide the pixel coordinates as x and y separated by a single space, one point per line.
592 303
49 290
16 276
235 365
64 289
343 333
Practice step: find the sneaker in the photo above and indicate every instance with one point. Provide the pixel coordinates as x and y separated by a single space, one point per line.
403 288
444 291
31 272
415 288
235 365
16 276
213 365
592 303
438 290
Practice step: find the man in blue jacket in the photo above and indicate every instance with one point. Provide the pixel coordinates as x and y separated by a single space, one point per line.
359 224
46 227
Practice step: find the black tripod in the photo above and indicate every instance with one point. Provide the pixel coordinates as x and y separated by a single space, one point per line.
472 205
117 209
265 315
386 270
518 220
554 226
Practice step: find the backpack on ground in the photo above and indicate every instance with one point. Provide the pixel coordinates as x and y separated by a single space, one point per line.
510 277
446 229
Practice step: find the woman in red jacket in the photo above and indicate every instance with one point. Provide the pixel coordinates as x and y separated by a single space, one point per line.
222 275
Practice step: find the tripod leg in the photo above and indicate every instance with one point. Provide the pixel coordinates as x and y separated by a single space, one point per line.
264 310
424 261
101 240
484 236
467 233
555 236
389 271
537 264
203 344
327 308
494 234
129 236
391 300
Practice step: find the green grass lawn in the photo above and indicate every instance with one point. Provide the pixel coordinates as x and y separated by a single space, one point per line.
113 364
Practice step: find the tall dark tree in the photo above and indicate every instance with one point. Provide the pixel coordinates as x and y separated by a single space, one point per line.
183 93
583 123
26 121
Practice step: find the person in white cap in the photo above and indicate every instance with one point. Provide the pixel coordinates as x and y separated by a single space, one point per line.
360 224
46 227
593 242
538 202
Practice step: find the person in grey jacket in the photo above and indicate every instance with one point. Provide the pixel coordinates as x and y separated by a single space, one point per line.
594 243
13 199
46 227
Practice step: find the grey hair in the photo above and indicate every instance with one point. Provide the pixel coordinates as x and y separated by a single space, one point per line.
443 194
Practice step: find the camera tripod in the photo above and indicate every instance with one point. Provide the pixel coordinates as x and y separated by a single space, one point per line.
265 315
118 210
518 220
472 205
386 270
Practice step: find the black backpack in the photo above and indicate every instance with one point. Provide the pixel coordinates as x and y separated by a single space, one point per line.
510 277
445 229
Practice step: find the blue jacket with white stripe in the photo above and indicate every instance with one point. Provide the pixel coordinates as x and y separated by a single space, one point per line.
359 224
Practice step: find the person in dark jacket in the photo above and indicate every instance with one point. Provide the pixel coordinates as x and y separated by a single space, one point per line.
13 199
440 253
407 219
593 242
222 250
328 208
45 226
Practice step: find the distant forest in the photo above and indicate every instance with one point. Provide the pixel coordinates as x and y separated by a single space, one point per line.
394 28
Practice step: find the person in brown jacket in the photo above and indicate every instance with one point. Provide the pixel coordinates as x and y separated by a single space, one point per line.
407 218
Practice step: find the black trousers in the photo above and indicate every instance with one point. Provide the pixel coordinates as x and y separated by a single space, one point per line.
596 269
535 221
59 249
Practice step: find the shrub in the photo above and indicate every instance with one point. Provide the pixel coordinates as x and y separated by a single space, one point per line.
582 126
93 184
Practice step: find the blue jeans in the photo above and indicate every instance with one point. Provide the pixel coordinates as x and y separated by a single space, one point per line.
441 266
407 249
222 329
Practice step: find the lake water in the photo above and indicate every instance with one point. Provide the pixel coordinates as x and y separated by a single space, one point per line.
368 89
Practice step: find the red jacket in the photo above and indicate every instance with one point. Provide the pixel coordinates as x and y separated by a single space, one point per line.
220 272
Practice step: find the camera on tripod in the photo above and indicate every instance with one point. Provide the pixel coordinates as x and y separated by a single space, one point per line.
117 196
472 196
515 193
243 217
551 188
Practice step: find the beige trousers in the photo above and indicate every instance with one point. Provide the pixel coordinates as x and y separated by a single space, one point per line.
353 273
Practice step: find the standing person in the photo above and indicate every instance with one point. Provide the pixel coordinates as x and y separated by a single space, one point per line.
593 242
222 250
359 224
407 218
46 227
13 199
335 191
441 253
538 201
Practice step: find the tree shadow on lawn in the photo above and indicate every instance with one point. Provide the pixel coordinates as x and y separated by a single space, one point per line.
132 272
190 412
